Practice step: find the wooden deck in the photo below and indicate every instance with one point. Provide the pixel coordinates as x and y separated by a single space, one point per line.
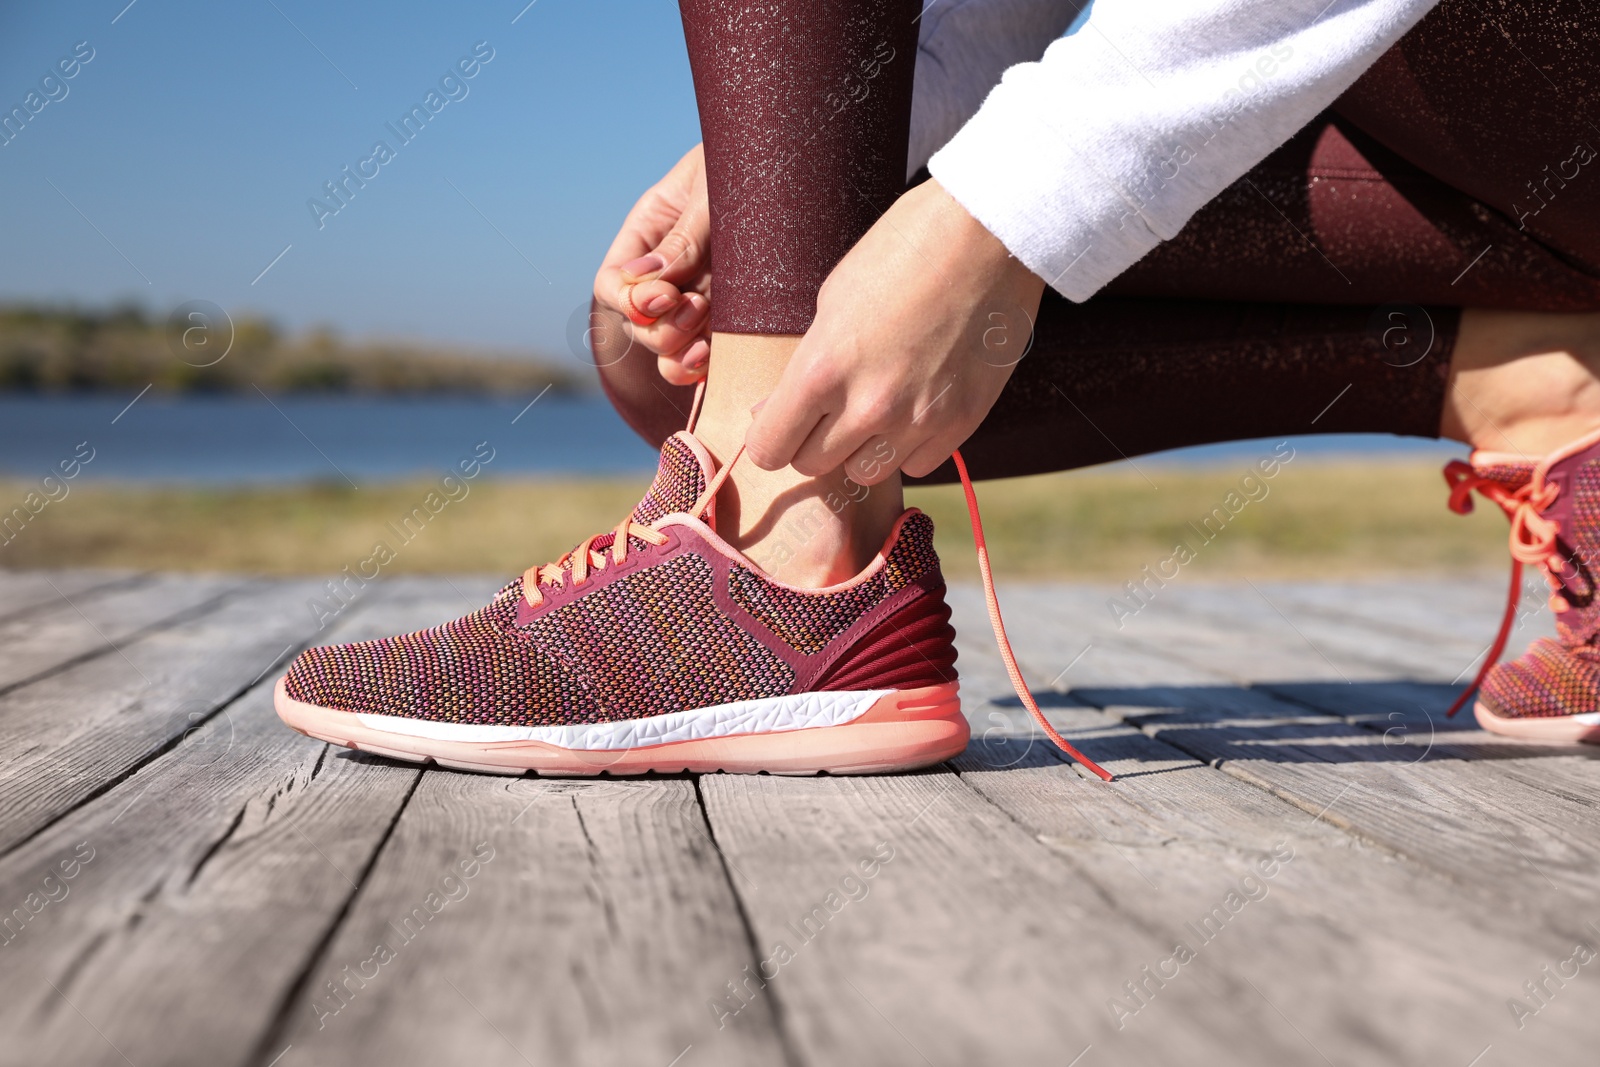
1352 880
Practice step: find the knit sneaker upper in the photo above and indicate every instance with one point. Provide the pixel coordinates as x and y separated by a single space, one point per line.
1554 507
686 623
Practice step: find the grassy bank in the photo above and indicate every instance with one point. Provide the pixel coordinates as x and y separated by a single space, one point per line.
1313 519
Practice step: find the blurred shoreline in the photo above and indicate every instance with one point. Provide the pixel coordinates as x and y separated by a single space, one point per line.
201 349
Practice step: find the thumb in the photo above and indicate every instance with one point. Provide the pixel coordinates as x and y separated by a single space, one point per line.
687 247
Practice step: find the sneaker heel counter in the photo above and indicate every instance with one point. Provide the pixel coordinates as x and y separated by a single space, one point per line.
912 647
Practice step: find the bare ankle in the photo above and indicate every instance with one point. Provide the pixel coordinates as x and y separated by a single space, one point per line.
808 532
827 532
1523 382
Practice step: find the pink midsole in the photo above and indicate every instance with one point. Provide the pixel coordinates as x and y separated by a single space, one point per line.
902 730
1556 728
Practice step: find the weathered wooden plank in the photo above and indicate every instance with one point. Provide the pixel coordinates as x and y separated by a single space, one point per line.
596 934
1258 621
972 942
22 592
97 622
1416 711
1470 820
70 734
1383 633
1233 631
1413 711
1515 816
1243 649
1465 609
1325 940
1362 979
216 872
1072 640
1228 631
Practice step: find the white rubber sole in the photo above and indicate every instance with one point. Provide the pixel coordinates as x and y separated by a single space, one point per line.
1556 729
864 732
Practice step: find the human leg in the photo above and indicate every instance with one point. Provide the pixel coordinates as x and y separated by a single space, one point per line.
805 111
659 646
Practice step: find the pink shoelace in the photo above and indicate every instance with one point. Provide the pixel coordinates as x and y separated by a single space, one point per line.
998 625
581 560
577 563
1533 541
585 557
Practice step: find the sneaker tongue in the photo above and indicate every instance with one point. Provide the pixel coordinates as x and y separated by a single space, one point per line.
1511 471
686 469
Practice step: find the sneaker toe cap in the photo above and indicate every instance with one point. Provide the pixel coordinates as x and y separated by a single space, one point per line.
1548 680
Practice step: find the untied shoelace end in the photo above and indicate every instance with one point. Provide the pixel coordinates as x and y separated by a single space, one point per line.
999 626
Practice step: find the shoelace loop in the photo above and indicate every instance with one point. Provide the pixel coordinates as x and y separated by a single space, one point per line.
584 558
1533 536
1533 541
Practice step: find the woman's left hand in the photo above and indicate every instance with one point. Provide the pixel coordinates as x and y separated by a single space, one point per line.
917 330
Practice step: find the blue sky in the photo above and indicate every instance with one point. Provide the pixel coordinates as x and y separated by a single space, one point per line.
189 146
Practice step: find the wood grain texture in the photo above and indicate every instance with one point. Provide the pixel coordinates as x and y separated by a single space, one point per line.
217 870
1525 831
598 933
996 910
97 621
23 592
70 734
975 943
1193 632
1328 949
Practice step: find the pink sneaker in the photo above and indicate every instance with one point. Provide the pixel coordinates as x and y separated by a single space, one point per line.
659 647
1552 691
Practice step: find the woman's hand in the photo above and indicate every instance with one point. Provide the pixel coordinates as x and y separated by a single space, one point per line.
917 330
660 263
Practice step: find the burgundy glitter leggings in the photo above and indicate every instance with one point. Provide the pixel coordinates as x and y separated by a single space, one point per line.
1319 294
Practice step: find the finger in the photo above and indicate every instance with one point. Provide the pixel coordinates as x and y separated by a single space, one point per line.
929 456
610 337
697 357
873 462
642 269
831 444
651 299
786 419
693 314
632 244
679 328
630 257
688 366
686 250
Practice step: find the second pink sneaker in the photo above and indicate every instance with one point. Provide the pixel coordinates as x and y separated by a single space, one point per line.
1552 691
659 647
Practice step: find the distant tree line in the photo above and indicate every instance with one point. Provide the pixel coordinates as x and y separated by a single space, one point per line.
47 348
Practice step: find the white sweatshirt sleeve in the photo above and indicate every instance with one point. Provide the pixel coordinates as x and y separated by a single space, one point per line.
1082 162
963 46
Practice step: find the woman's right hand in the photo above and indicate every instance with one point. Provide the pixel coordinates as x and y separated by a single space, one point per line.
660 264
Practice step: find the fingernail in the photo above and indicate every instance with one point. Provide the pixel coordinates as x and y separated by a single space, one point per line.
687 315
758 405
697 356
650 264
658 305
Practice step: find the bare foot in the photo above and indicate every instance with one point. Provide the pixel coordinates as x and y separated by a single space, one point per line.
1523 382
